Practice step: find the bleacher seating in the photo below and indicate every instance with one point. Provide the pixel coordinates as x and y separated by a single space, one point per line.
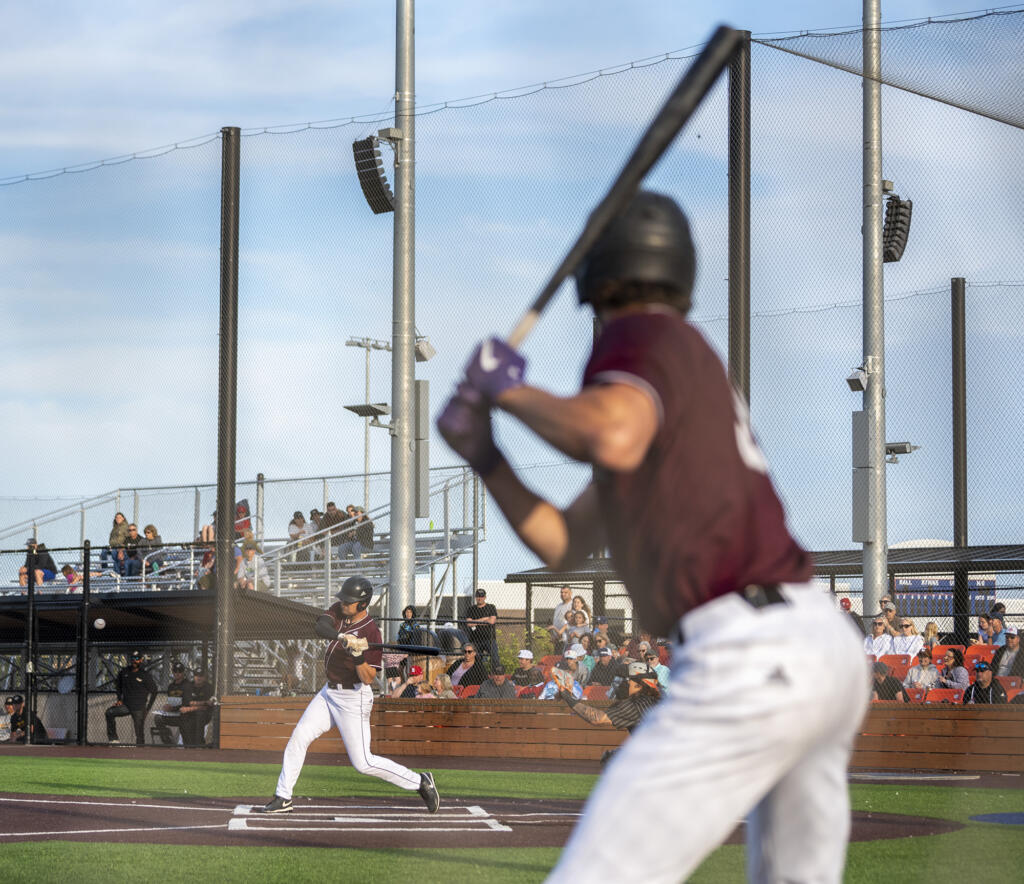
595 692
978 652
898 664
945 695
1010 682
939 651
468 691
916 695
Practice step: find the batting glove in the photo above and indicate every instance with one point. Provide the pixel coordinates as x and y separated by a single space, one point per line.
495 368
465 425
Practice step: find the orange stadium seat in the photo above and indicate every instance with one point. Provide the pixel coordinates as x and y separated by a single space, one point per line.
469 691
550 659
530 691
1011 693
457 689
595 692
939 651
1010 682
979 652
916 694
945 695
898 664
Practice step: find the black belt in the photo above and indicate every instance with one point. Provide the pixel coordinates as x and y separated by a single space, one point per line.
756 595
339 685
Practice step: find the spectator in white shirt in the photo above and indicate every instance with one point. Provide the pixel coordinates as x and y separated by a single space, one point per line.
557 626
879 642
908 641
925 674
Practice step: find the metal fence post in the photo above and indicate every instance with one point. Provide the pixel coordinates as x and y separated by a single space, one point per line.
82 670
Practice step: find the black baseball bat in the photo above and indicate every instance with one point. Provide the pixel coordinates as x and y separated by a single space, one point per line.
674 114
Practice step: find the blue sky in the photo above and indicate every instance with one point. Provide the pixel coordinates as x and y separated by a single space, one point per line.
119 394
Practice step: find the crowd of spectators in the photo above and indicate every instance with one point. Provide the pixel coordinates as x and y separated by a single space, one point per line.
349 533
989 669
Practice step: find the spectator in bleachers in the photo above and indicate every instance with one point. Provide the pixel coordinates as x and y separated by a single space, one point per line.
74 578
551 689
297 533
354 533
364 530
497 686
889 615
924 674
331 521
408 632
930 636
587 643
661 670
44 567
984 631
846 606
879 642
580 604
525 673
884 686
1008 660
252 571
407 689
985 688
442 685
574 657
997 636
603 628
129 556
953 674
606 667
481 618
469 670
114 542
576 627
151 545
908 641
558 625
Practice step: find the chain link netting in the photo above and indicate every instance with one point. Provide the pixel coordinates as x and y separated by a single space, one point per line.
111 293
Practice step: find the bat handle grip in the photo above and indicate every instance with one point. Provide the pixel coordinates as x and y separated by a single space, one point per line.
525 326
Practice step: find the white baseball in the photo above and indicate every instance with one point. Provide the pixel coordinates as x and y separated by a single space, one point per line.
99 622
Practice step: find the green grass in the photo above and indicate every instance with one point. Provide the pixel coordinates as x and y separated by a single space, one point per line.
905 860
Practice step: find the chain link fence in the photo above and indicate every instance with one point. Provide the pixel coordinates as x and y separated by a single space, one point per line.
111 272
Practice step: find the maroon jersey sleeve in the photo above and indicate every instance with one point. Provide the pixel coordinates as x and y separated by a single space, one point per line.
699 517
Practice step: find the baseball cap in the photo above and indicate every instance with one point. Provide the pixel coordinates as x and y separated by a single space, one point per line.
1010 630
298 515
888 606
981 666
498 669
12 701
525 654
996 615
199 671
415 670
481 591
638 667
600 620
177 666
136 656
604 652
844 603
575 652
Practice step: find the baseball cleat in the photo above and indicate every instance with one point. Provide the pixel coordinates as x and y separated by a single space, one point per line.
114 742
277 804
428 792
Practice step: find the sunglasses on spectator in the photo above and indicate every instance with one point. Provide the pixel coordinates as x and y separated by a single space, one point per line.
906 625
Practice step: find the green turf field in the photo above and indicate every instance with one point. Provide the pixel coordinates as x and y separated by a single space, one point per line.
993 848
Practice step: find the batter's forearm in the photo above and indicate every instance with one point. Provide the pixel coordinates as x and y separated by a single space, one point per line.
558 421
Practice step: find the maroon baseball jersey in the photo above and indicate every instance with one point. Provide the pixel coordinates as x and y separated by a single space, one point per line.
338 663
699 517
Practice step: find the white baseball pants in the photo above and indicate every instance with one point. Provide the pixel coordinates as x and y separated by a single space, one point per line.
349 711
759 723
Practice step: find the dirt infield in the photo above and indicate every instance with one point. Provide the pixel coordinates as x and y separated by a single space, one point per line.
384 823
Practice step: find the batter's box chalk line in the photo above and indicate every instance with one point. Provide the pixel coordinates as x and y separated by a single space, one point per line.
376 818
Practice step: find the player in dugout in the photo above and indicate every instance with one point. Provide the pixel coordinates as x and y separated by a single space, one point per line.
681 496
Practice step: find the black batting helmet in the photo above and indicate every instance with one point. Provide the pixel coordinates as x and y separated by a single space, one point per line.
648 243
356 589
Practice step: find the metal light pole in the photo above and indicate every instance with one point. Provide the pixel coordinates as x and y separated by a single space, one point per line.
367 344
875 556
402 561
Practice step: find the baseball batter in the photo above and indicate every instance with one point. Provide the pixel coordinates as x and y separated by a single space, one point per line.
682 498
346 701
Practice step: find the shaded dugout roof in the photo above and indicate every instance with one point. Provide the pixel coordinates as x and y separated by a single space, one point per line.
157 617
837 563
